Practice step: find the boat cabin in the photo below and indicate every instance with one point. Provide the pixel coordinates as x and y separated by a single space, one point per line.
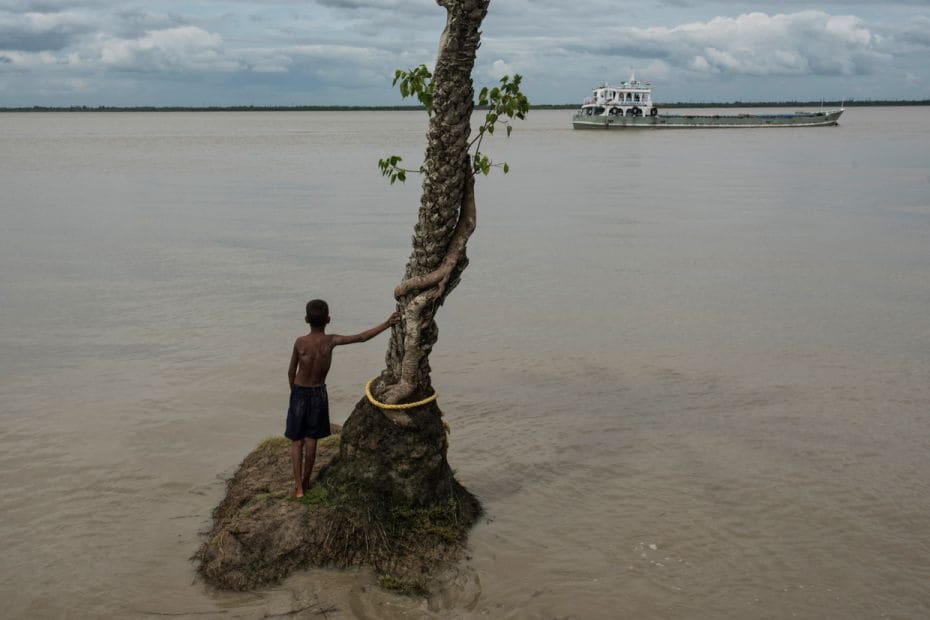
630 98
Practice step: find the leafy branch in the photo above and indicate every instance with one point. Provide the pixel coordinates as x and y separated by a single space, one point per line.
417 81
390 169
504 103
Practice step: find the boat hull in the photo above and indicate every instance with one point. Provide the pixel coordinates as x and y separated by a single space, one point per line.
696 121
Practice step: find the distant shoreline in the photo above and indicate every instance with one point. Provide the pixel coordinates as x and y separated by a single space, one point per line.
564 106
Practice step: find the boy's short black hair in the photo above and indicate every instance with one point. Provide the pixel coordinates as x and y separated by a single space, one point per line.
317 312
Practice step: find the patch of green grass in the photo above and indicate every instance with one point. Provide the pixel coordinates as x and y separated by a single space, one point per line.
266 497
279 442
272 444
409 587
316 495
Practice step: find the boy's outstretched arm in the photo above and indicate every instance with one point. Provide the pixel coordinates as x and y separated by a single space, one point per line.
368 334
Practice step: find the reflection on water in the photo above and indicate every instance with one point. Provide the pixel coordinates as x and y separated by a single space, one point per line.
686 372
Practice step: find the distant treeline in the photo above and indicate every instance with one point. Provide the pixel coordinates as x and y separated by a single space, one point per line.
231 108
562 106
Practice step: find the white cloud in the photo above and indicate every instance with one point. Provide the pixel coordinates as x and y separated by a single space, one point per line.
185 48
498 69
803 43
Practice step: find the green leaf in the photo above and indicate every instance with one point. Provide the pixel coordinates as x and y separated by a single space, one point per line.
506 168
418 82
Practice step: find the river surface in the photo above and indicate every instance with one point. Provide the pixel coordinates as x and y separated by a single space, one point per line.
687 372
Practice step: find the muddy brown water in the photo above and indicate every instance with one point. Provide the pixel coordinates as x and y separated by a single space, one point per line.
688 373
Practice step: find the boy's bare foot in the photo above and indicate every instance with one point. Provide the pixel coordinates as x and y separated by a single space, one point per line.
298 493
306 484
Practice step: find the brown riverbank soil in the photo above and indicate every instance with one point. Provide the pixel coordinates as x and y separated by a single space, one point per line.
260 535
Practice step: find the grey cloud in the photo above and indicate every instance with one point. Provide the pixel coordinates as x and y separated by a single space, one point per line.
767 5
917 32
36 33
387 5
134 23
632 47
386 9
346 4
47 6
32 42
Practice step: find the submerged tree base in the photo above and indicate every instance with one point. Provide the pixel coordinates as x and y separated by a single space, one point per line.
358 511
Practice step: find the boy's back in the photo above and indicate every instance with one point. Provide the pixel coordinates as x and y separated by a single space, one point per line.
314 353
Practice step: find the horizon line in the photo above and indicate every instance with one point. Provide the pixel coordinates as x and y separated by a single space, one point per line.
345 108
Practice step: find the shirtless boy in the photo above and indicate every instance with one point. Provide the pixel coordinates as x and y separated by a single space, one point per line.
308 414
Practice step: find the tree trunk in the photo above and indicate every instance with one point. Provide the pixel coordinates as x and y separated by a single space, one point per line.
400 456
447 213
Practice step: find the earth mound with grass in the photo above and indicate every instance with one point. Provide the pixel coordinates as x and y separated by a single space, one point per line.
260 534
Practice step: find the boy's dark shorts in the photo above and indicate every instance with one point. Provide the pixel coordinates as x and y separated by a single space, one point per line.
308 414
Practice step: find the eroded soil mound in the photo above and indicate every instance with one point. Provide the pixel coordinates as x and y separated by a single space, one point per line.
260 534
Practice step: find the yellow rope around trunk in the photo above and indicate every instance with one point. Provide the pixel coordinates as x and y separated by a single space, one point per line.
380 405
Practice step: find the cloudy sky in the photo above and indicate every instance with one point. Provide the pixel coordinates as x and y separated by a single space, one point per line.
321 52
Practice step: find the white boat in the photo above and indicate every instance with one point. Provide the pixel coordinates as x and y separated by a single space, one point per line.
628 105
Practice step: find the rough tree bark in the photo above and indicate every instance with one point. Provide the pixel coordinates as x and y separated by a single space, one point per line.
447 210
403 454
